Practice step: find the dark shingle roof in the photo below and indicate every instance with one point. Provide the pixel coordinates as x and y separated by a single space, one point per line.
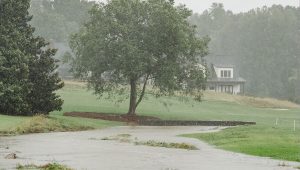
224 65
231 80
236 78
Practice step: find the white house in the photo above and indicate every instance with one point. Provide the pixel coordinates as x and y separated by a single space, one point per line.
224 78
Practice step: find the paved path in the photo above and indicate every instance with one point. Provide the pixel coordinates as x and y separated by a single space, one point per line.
80 150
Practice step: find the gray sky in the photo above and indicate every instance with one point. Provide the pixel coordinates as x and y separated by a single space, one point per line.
234 5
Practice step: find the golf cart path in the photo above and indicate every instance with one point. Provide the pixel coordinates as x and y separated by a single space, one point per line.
86 150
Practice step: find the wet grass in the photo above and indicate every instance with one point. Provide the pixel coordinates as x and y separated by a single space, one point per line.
264 139
53 123
275 142
44 124
8 122
50 166
283 164
251 101
77 98
124 135
126 138
153 143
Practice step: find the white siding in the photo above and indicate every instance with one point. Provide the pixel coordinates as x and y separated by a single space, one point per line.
218 71
227 88
237 89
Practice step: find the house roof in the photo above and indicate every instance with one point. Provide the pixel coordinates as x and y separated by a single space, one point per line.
214 79
223 65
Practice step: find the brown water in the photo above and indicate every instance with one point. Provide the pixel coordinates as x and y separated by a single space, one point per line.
86 150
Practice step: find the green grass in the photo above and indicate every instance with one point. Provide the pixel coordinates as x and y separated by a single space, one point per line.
126 138
166 145
11 125
261 140
264 139
51 166
8 122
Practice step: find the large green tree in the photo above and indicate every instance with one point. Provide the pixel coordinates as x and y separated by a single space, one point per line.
129 42
13 62
27 69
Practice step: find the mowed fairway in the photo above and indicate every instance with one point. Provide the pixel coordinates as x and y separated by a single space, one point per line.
264 139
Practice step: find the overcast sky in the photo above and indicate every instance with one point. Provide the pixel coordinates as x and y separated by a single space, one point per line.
234 5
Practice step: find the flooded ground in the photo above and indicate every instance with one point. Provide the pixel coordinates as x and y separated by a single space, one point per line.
86 150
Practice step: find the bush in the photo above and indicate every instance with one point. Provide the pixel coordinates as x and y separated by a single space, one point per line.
27 69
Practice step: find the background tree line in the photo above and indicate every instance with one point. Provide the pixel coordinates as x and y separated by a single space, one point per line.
56 20
264 43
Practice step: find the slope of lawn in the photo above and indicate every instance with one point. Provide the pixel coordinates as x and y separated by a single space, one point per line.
278 142
56 122
264 139
10 125
8 122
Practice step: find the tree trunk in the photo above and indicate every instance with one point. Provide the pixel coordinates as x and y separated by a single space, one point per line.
133 97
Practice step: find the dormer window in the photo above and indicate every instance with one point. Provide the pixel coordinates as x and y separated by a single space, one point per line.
225 73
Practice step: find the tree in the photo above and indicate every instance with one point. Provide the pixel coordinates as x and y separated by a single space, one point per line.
128 42
28 80
13 62
44 81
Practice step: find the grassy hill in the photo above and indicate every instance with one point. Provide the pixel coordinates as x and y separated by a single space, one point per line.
265 139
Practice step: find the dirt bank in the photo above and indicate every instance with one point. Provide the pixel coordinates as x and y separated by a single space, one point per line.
153 121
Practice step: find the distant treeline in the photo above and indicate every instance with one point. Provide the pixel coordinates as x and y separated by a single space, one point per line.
263 44
57 19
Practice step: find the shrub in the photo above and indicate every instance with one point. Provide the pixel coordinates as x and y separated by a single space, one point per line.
50 166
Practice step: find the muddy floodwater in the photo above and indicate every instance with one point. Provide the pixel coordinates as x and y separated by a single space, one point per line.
86 150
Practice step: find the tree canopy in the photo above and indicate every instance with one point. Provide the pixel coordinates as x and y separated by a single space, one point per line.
27 69
129 42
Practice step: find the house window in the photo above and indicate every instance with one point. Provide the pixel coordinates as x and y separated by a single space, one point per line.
227 89
225 73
